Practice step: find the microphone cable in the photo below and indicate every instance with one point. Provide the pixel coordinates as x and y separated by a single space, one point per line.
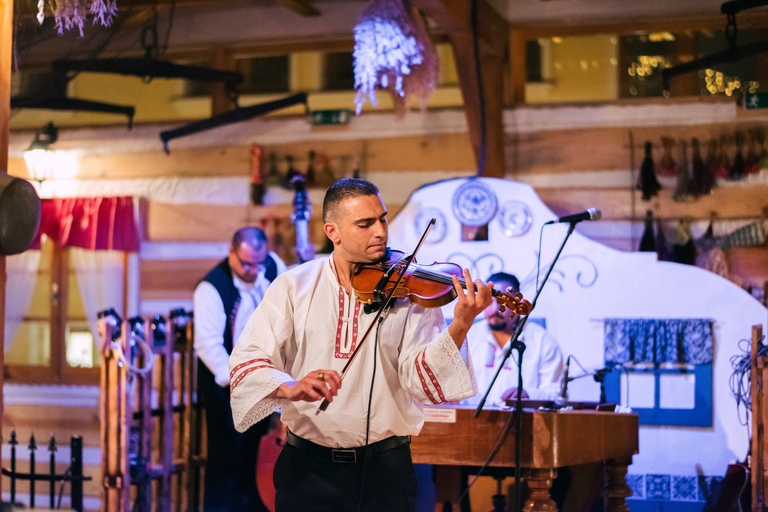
368 416
508 425
504 433
538 258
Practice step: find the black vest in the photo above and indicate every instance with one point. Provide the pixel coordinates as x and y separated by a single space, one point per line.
221 279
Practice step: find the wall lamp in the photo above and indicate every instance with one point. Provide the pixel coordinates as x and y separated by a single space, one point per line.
39 157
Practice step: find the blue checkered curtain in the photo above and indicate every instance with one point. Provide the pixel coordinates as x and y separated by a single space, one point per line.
685 340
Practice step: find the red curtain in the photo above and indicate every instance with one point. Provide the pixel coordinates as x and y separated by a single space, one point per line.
95 223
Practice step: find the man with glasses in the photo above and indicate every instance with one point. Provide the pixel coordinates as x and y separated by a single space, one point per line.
224 301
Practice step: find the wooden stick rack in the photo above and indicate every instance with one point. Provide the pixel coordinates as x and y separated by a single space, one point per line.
151 424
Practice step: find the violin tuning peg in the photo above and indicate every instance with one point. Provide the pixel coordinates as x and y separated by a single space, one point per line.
502 308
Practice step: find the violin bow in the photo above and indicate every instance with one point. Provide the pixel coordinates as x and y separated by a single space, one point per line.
384 308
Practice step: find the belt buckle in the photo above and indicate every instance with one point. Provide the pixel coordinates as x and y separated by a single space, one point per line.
345 456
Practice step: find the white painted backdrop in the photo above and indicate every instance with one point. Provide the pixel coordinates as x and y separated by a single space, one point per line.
592 282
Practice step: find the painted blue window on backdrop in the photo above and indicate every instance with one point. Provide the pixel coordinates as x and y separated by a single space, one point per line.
667 369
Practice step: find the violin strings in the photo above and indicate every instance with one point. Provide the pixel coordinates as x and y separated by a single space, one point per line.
442 278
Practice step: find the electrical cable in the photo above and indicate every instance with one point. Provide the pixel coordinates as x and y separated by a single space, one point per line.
368 416
491 455
740 380
168 30
149 356
573 358
538 257
480 92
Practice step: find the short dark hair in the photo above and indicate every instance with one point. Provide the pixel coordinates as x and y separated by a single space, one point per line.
346 188
504 277
251 235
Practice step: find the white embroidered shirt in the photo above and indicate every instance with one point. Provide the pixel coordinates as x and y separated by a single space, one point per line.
308 322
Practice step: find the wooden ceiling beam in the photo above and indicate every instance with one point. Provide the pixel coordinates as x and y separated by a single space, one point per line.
303 7
484 110
637 26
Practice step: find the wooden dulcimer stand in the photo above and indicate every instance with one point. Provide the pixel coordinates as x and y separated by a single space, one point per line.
150 421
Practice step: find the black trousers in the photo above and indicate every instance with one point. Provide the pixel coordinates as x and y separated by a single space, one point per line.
306 482
230 469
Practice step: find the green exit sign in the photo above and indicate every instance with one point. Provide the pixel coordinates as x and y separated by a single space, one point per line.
330 117
755 100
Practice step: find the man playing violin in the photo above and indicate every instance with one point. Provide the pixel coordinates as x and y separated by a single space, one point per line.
355 455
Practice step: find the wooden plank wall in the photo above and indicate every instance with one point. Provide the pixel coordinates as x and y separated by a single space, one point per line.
572 168
573 165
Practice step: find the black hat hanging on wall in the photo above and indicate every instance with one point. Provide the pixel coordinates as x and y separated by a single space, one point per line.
19 214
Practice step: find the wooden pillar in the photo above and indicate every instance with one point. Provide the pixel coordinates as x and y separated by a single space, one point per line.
220 101
688 83
517 67
455 17
58 294
6 41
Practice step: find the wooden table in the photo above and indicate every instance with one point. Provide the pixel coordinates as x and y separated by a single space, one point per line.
451 436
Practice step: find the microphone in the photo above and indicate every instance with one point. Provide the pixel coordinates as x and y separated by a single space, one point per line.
591 214
561 400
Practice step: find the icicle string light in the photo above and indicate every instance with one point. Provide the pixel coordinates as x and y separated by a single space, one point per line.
390 50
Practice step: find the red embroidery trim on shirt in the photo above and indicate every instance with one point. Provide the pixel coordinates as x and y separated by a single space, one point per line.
246 372
340 323
354 327
424 384
432 377
492 360
338 353
247 363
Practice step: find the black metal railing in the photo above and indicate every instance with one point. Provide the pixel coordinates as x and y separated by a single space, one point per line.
73 474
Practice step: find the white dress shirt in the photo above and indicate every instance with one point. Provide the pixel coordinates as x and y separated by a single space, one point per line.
211 319
542 363
308 322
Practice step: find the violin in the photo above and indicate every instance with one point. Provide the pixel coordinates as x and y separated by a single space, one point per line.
430 286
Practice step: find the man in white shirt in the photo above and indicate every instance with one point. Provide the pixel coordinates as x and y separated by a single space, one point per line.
224 301
488 341
356 454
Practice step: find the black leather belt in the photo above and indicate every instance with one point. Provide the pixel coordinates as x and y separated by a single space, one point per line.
346 454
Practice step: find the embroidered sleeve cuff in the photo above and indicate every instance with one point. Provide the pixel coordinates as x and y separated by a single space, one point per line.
452 369
249 403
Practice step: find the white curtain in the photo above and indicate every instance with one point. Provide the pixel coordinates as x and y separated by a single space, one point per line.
22 274
100 280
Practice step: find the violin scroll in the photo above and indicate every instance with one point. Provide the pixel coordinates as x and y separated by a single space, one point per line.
516 303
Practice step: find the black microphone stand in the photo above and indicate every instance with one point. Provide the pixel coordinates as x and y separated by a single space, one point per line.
516 344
